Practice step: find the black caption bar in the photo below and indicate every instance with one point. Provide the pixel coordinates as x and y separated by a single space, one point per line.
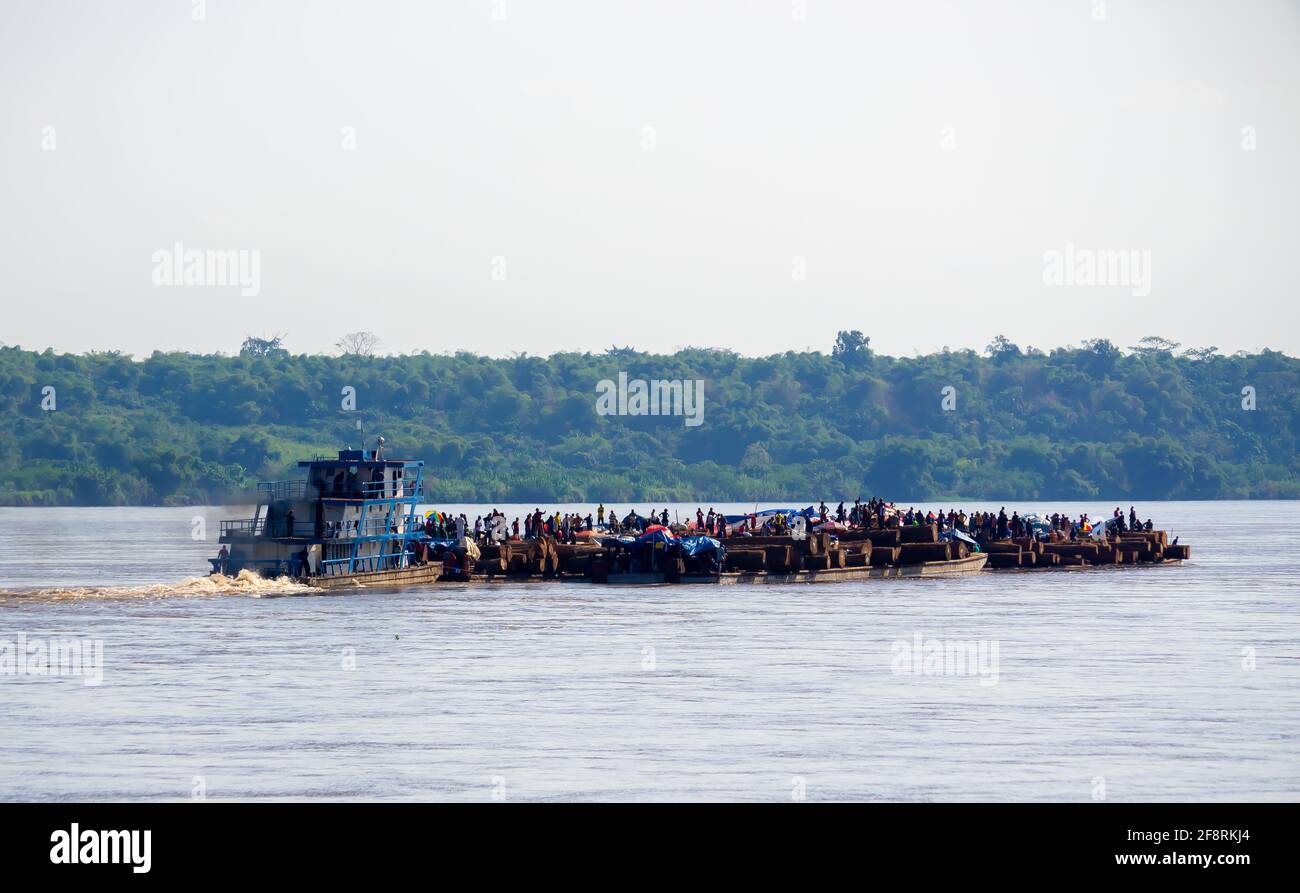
143 842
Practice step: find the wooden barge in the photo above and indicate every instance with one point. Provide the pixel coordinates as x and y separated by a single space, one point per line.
353 523
929 569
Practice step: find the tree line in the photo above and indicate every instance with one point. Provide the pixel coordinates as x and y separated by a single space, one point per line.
1092 421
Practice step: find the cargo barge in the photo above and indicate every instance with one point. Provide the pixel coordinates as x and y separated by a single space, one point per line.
353 522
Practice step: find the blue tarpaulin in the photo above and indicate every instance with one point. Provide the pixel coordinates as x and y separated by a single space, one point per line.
653 539
434 543
699 545
958 535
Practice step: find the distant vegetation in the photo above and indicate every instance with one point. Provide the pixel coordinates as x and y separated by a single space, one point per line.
1150 422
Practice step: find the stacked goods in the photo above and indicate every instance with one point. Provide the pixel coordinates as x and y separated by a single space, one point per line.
1106 554
1178 553
491 566
1029 544
883 556
1073 550
575 550
1046 559
852 549
838 557
1004 554
1155 537
546 546
919 533
1146 547
1072 560
889 537
915 553
817 562
777 559
528 557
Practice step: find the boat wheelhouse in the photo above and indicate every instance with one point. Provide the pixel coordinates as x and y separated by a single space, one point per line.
354 516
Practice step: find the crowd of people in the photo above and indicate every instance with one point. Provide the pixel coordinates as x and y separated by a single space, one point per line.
875 513
567 527
987 525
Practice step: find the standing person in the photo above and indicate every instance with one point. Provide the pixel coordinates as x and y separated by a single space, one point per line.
516 527
223 556
600 514
288 522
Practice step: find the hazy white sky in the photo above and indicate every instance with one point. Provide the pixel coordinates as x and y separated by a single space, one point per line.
915 160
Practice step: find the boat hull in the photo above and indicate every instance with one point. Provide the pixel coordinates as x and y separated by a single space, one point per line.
408 576
432 573
959 567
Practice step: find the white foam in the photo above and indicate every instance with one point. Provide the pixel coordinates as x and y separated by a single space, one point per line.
247 583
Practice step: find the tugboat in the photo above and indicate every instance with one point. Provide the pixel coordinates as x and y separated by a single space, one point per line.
352 521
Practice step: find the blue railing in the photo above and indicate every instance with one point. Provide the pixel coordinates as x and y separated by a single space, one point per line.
365 563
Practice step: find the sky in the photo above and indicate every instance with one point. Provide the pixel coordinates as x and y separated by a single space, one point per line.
503 176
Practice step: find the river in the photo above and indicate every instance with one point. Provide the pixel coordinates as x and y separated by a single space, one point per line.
1147 683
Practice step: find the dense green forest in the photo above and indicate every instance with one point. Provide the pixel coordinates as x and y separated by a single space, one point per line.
1152 421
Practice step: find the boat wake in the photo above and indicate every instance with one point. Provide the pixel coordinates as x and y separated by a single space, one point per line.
247 583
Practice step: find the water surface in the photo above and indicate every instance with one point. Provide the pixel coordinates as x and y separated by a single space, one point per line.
1137 684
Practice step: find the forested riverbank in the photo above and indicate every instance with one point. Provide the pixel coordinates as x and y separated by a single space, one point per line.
1155 421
